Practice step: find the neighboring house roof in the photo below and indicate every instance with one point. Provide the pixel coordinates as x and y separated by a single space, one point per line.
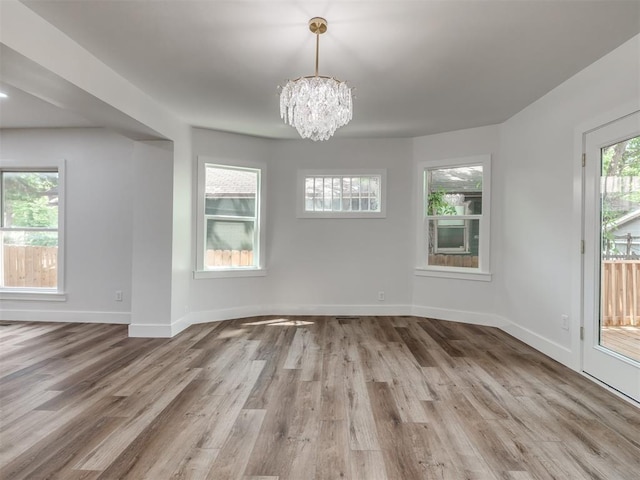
632 215
226 182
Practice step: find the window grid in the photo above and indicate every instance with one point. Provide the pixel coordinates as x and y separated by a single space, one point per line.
342 193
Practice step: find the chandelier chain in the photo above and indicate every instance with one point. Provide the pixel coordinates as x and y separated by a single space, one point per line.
317 50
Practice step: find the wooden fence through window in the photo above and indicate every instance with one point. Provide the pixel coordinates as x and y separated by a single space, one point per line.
229 258
30 266
443 260
621 292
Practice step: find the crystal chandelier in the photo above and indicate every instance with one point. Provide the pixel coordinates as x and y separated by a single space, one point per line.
316 105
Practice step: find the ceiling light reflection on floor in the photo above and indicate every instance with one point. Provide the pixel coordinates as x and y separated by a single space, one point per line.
231 333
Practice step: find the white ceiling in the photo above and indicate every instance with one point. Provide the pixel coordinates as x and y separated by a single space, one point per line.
419 67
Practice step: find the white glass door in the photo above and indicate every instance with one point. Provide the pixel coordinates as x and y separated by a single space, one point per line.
611 347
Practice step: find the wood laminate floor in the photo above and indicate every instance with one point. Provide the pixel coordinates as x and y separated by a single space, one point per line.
302 398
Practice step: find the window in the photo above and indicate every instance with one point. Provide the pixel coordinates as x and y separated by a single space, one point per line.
341 194
229 230
31 230
454 218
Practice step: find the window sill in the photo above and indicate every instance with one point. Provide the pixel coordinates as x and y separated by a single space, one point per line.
32 296
454 273
230 273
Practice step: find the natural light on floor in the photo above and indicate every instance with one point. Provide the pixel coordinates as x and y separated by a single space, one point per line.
280 322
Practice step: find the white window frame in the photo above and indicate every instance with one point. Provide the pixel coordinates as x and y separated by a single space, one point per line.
483 272
301 212
257 270
34 293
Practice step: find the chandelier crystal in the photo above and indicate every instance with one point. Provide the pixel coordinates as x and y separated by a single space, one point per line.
316 106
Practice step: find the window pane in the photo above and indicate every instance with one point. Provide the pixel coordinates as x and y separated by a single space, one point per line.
454 191
364 185
327 193
375 187
454 243
337 195
319 187
308 187
317 193
232 207
30 259
355 187
346 187
231 192
451 238
229 243
30 199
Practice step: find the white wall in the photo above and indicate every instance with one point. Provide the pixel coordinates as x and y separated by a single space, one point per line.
151 269
220 298
338 266
182 228
99 194
451 299
540 152
316 265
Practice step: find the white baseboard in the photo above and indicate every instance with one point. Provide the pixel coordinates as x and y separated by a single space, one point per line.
310 310
180 325
290 309
343 310
71 316
227 314
550 348
150 331
462 316
159 330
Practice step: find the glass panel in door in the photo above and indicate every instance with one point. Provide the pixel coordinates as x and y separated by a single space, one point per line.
620 248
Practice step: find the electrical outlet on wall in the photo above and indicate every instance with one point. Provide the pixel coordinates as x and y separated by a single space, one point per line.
381 296
565 322
118 296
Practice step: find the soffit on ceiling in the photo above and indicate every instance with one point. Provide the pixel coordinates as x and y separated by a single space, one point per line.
21 110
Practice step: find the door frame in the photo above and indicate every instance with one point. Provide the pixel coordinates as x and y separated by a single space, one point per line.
577 320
